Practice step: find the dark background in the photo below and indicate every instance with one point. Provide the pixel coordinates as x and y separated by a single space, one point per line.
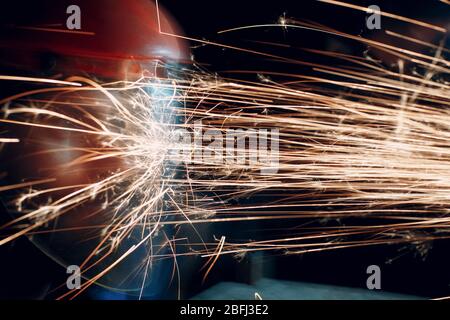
25 272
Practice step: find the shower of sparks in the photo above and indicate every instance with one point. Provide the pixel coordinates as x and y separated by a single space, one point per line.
359 142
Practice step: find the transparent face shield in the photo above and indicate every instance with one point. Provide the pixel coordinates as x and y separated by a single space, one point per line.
110 202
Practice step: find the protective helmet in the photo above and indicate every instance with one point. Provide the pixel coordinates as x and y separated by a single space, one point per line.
117 40
107 39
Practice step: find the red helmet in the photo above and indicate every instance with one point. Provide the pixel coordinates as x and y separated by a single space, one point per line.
116 39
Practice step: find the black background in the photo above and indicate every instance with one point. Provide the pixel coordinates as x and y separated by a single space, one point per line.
25 272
